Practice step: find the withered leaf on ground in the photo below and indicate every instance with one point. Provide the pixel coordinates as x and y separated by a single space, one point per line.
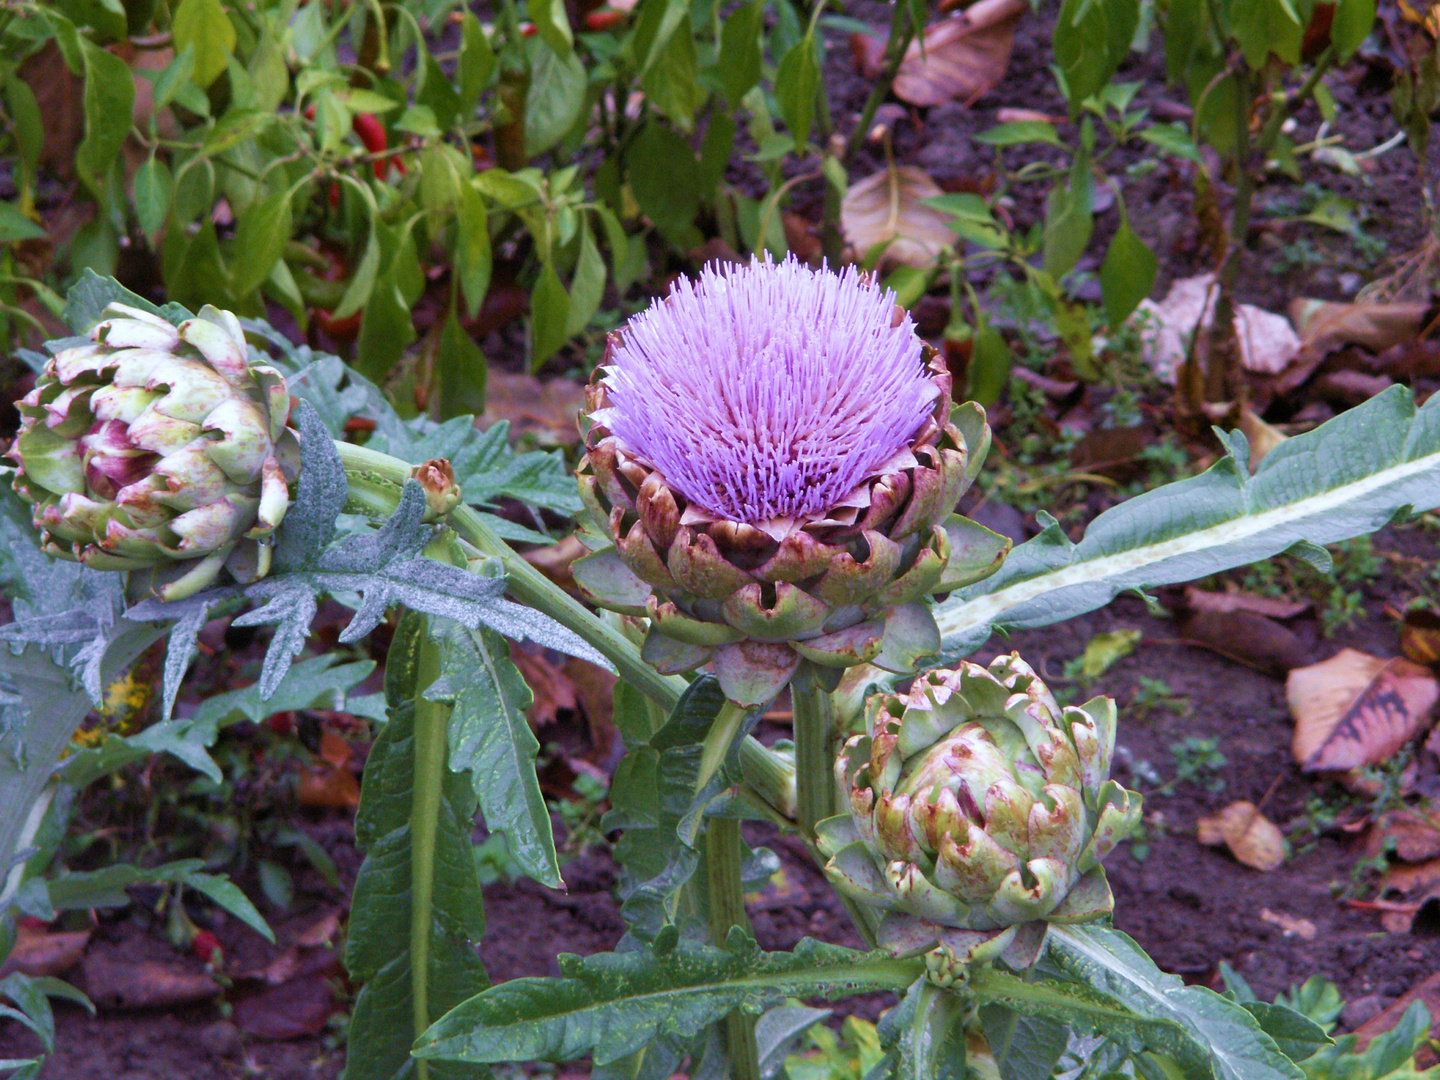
1290 924
39 951
962 57
550 686
1325 326
1420 636
1251 837
1355 709
547 408
1268 343
1272 607
886 208
147 984
293 1009
1246 637
1410 833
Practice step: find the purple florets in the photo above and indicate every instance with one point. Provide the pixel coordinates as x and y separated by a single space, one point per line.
768 391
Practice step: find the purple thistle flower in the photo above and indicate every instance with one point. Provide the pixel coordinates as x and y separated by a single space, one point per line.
768 391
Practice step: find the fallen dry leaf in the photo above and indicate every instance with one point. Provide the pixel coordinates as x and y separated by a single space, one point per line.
1268 343
1021 116
1251 837
1420 636
554 561
963 56
548 408
1251 639
1290 924
1411 833
885 208
1355 709
1427 991
39 951
1410 879
329 786
550 686
595 693
1272 607
146 984
1325 326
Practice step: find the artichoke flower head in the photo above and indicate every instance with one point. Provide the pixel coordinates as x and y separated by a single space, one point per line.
159 447
774 456
978 804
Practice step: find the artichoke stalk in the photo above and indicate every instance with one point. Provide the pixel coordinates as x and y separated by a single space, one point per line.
772 467
978 807
159 447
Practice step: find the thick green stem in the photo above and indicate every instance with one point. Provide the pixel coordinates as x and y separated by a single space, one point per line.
814 759
376 481
724 853
431 722
719 739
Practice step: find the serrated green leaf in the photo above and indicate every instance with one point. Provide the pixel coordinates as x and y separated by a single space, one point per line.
490 738
1348 477
1213 1026
611 1004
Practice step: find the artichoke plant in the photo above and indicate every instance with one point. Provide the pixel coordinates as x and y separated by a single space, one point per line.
774 460
977 806
159 447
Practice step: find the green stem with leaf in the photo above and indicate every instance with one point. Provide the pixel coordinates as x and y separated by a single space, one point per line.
724 853
431 723
814 761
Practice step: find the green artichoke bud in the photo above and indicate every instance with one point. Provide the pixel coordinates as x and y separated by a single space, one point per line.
978 804
775 458
159 447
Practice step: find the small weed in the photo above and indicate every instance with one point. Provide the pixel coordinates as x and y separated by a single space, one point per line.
1338 597
1152 695
1197 761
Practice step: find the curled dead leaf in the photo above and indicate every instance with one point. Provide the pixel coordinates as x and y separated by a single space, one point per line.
1268 343
547 408
962 57
1410 833
1290 925
1272 607
1251 837
39 952
1355 709
886 208
1325 326
1420 636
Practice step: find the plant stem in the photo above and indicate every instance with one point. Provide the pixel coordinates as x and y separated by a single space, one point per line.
902 32
376 481
719 739
431 721
814 762
726 894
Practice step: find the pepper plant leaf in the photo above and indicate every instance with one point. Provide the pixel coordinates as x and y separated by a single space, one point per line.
1348 477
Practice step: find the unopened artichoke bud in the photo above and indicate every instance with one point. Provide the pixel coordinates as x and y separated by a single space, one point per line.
159 447
977 803
774 454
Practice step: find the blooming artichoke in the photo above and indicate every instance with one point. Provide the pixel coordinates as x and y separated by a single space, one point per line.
158 447
977 803
774 456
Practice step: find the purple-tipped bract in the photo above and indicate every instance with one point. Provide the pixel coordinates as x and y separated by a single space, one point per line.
770 390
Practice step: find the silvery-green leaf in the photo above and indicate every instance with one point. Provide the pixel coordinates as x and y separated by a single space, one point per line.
1348 477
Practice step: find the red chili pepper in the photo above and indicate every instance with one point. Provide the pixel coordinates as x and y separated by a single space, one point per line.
282 723
527 29
341 331
309 112
604 19
206 946
372 135
334 195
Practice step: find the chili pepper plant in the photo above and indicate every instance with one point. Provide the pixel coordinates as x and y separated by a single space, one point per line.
773 462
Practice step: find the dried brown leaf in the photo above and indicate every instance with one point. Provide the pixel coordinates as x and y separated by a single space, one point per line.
1251 837
548 682
1420 636
1355 709
1325 326
1411 833
39 952
885 208
112 983
546 408
328 786
1272 607
962 57
1247 638
1290 924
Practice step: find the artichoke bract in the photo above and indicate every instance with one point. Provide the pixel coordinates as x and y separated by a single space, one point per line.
978 805
774 456
159 447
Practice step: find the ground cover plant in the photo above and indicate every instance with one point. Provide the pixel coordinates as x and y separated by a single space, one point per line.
255 535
